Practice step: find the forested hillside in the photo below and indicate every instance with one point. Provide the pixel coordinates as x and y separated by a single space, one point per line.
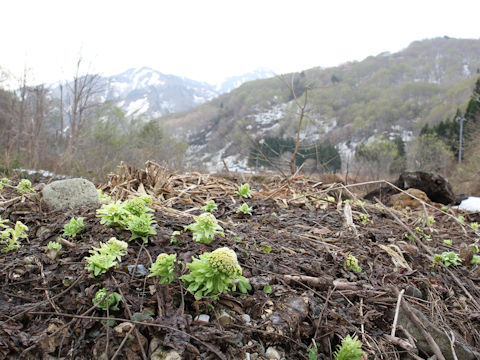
380 99
375 117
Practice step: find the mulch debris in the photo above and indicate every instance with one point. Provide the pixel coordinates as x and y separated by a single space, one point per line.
292 249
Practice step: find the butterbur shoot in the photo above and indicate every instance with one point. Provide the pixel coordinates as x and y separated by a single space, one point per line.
173 238
102 301
364 218
204 228
113 246
352 263
74 227
164 267
210 206
448 242
213 273
141 227
53 249
349 349
113 214
3 181
9 238
105 257
448 258
103 198
244 190
24 187
244 209
138 206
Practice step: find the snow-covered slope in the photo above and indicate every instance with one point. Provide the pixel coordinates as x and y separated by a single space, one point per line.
234 82
150 92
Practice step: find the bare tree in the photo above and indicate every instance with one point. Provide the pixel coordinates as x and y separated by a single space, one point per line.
79 104
34 126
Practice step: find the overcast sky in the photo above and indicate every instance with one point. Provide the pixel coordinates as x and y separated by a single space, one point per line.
209 40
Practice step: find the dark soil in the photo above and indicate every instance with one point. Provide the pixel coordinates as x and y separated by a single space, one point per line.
295 242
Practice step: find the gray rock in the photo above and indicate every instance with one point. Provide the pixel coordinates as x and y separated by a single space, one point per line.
70 193
462 351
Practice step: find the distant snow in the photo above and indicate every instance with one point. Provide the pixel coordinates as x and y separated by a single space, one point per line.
270 115
137 106
472 203
198 99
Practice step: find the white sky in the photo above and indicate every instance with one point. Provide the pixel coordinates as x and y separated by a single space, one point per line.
208 40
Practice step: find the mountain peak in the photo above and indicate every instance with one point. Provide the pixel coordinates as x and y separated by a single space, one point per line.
234 82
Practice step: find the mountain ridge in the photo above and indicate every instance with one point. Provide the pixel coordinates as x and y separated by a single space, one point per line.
385 95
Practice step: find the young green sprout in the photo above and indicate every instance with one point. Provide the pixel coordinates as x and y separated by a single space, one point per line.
105 257
204 228
53 249
244 209
102 301
113 214
164 267
352 263
213 273
173 238
448 258
9 237
244 190
448 242
24 187
138 206
103 198
141 227
74 227
3 181
350 349
210 206
364 218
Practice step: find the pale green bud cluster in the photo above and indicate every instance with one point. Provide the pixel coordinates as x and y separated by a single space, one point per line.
225 261
9 237
164 267
137 206
105 257
132 215
204 228
103 301
24 187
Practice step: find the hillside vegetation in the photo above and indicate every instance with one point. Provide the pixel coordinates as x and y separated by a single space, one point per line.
375 117
385 95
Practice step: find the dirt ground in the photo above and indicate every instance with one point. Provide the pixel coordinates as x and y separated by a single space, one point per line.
295 244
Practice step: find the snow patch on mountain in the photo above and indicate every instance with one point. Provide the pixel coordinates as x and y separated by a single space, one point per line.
139 106
234 82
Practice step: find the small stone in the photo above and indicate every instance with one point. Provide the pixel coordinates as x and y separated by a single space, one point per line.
202 317
224 318
272 354
246 318
137 270
123 328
